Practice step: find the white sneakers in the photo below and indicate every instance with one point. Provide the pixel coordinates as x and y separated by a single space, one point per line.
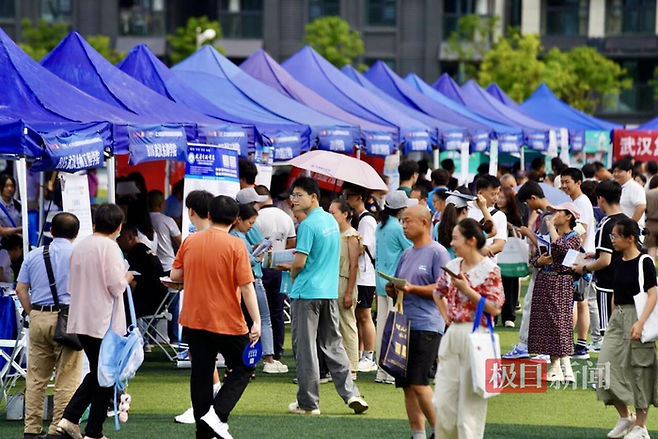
275 367
367 365
638 433
509 324
295 409
358 404
187 417
623 427
68 428
220 428
383 377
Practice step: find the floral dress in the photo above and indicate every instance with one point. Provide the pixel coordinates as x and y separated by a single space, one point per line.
551 318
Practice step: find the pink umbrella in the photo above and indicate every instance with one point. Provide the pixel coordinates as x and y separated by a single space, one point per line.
340 167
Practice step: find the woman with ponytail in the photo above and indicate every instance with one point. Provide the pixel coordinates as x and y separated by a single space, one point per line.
456 210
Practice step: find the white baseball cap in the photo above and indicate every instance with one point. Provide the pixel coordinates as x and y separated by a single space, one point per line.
399 200
249 195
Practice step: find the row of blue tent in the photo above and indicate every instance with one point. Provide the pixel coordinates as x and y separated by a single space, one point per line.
75 108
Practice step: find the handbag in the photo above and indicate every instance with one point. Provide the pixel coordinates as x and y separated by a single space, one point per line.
395 341
61 336
514 259
650 330
483 346
120 356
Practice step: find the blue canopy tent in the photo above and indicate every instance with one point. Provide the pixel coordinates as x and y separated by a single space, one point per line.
498 93
263 68
145 67
447 87
649 125
76 62
213 75
312 70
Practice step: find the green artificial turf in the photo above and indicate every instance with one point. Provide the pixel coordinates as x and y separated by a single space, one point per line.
160 392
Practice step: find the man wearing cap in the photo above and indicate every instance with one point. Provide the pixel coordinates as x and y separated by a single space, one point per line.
391 242
421 266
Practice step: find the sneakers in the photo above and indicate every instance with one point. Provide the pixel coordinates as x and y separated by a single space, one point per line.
595 347
326 379
542 358
367 365
70 429
220 428
509 324
517 353
580 353
295 409
187 417
638 433
383 377
358 404
275 367
622 427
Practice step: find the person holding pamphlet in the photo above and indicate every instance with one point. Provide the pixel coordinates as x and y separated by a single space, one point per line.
420 267
460 412
632 364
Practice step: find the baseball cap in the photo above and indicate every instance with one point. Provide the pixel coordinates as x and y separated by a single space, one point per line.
249 195
399 200
569 207
459 200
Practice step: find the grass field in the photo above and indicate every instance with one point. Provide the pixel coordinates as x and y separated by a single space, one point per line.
160 392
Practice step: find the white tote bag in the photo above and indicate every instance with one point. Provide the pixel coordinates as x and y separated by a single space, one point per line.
483 346
513 260
650 330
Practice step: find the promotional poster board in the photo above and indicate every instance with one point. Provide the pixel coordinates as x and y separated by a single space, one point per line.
75 200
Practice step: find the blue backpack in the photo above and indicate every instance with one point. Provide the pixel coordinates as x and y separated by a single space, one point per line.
120 356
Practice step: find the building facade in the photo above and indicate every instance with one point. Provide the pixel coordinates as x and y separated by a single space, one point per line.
409 35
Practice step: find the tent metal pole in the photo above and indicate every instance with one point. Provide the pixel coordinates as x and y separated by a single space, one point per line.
493 157
358 153
464 162
111 178
42 182
435 158
167 181
21 171
523 158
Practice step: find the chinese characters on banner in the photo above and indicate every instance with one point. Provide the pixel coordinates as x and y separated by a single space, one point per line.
643 145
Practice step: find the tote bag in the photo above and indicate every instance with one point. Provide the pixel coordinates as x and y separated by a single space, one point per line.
650 330
120 356
395 342
513 260
483 346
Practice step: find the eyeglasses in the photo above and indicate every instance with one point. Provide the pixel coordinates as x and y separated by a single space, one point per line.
613 237
296 196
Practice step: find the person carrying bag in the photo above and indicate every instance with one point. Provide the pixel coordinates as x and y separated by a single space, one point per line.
395 341
483 347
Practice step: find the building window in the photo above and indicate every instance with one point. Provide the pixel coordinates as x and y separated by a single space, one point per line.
381 12
637 99
142 17
323 8
565 17
56 10
453 10
630 17
7 9
514 14
241 19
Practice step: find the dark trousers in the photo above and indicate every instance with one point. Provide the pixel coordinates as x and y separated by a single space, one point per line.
204 346
511 287
272 283
90 392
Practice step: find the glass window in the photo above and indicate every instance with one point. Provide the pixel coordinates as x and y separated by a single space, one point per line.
241 18
323 8
453 10
514 13
381 12
56 10
142 17
565 17
7 9
637 99
630 17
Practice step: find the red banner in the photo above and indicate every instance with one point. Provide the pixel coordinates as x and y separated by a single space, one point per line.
643 145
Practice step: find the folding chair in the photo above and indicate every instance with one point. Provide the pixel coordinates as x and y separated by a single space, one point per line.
12 370
150 330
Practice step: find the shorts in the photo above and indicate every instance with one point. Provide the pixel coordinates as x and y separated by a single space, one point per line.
423 350
366 296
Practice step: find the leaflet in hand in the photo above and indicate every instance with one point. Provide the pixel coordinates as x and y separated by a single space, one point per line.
272 259
574 257
167 279
264 246
394 280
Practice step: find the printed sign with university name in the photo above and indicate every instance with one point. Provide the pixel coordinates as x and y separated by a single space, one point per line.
452 140
227 136
336 140
378 143
156 142
71 152
417 141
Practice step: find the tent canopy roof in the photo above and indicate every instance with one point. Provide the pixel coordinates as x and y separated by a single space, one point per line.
498 93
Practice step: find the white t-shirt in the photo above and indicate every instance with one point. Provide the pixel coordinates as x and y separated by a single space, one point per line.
367 228
632 195
274 224
166 229
151 244
586 211
499 219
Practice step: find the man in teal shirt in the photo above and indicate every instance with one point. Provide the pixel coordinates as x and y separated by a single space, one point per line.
314 273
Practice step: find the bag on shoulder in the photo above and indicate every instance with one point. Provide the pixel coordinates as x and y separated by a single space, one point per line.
650 330
395 342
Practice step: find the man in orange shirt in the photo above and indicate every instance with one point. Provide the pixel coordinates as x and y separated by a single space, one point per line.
211 317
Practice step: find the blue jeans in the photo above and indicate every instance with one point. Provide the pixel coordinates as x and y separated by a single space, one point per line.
266 337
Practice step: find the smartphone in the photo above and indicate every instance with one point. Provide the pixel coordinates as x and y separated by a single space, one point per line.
450 272
543 249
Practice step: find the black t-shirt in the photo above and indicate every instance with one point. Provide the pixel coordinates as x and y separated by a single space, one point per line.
149 292
627 279
604 245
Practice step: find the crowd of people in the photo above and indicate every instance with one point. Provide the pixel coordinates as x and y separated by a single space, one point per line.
443 239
